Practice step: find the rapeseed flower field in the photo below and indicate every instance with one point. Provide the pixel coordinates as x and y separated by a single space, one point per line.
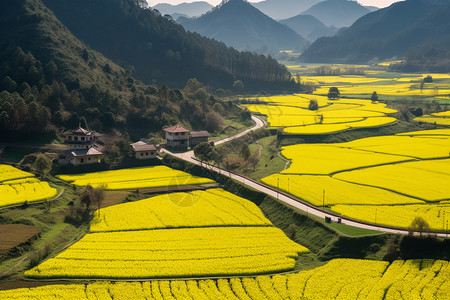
345 279
135 178
214 207
17 186
389 180
196 234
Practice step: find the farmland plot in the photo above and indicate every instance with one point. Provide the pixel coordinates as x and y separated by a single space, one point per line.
345 279
17 186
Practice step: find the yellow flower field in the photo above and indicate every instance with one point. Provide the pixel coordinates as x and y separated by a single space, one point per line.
398 215
17 186
291 111
135 178
345 279
427 180
191 252
442 114
326 159
408 173
439 120
214 207
311 188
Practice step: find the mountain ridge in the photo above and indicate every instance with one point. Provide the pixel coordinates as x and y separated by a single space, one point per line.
383 34
240 25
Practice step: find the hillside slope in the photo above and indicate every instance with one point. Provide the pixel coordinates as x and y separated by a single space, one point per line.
242 26
337 13
282 9
158 50
386 33
192 9
309 27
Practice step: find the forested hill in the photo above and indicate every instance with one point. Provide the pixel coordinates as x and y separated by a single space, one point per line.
386 33
51 81
158 50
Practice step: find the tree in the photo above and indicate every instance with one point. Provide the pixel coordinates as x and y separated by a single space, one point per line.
204 151
333 93
244 152
98 195
87 197
420 225
214 121
238 86
374 97
42 164
313 105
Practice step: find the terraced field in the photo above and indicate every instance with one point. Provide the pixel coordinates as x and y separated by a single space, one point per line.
204 233
385 180
135 178
292 114
17 186
344 278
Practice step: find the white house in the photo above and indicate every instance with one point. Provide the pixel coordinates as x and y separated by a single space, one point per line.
177 137
143 150
78 157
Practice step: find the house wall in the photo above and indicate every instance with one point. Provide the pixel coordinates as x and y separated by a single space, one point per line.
197 140
145 154
85 160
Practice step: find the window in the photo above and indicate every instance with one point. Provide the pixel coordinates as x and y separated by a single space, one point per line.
82 138
146 153
89 158
142 153
182 133
75 138
70 137
152 153
82 160
176 133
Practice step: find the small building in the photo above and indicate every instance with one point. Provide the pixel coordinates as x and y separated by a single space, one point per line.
198 137
80 138
78 157
142 150
177 137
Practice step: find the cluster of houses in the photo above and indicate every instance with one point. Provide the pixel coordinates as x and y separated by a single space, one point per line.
84 147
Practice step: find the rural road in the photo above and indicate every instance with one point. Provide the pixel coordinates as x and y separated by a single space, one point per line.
287 199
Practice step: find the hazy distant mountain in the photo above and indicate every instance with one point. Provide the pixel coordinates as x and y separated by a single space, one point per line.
388 32
240 25
309 27
372 8
337 13
282 9
193 9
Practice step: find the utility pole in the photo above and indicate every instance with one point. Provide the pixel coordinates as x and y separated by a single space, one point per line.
278 188
323 200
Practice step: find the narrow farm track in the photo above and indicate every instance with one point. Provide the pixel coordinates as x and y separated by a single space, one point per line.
287 199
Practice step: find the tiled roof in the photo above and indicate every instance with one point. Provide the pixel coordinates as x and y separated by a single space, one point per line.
79 131
196 134
82 152
142 146
176 129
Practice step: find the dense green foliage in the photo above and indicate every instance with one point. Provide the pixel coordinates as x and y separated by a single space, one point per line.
159 50
49 79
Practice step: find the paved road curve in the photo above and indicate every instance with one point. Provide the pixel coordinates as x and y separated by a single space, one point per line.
290 200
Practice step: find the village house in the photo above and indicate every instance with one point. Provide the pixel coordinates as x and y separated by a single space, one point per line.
198 137
80 138
78 157
143 150
83 148
177 137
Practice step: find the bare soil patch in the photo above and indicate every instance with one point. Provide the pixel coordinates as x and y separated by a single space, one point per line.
13 235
